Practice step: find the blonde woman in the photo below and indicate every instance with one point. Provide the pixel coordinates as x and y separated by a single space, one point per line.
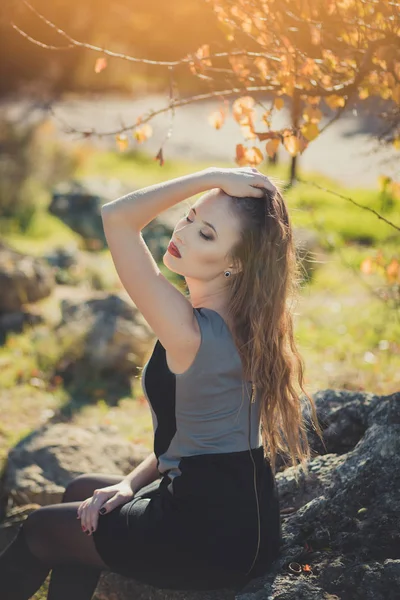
202 511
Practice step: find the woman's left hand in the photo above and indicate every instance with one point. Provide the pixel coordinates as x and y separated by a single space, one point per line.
107 498
244 181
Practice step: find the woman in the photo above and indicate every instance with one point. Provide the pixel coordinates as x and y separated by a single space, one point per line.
220 386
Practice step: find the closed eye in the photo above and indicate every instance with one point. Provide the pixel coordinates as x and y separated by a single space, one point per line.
202 234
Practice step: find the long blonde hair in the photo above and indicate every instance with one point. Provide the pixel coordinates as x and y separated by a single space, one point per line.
262 324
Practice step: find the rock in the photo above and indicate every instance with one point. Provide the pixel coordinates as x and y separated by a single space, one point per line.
341 536
113 334
116 587
41 465
349 532
78 204
23 279
79 208
62 257
16 321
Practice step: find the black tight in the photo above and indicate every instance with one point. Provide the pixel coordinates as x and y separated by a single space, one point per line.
51 538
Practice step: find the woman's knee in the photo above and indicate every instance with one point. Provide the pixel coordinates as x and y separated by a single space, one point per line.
83 486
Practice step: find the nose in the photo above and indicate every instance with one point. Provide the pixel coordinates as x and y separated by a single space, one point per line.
177 236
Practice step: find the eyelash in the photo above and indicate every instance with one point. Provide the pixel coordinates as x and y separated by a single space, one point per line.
202 234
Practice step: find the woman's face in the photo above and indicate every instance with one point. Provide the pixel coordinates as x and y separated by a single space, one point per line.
204 248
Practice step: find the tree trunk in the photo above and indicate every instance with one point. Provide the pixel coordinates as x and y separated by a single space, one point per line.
295 117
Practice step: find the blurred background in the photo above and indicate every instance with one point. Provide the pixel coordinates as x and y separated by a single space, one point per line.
72 344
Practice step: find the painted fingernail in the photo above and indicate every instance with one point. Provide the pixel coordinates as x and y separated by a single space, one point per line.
102 511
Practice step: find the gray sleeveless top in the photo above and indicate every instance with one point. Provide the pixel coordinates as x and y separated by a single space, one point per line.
204 410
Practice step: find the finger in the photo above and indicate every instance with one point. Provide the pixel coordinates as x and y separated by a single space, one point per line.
79 510
93 519
258 192
93 513
85 522
268 184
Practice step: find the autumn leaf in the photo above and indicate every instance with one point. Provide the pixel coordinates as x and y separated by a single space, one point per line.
160 157
335 101
272 147
393 271
122 141
312 114
248 156
266 118
242 109
217 118
279 103
262 65
310 131
396 143
240 155
292 144
248 132
142 134
101 64
367 266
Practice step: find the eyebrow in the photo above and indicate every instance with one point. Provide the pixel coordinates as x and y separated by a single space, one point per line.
205 222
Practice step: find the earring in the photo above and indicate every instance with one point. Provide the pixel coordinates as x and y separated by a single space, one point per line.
227 273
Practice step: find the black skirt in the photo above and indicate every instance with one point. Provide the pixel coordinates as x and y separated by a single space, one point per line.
201 538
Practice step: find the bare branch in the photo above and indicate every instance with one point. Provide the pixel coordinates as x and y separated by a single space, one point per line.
174 63
350 200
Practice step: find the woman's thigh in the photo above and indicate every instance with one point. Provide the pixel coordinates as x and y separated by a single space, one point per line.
83 486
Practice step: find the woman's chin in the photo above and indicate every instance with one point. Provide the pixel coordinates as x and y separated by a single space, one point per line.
168 262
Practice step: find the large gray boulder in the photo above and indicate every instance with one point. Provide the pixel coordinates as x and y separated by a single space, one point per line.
23 279
111 334
41 465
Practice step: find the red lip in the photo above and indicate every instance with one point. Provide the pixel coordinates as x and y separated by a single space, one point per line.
173 249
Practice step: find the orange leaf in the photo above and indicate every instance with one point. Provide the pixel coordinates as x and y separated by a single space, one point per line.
160 157
292 144
310 131
242 109
248 132
101 64
255 156
122 141
312 114
240 158
367 266
141 134
272 147
334 101
279 103
217 119
393 271
266 118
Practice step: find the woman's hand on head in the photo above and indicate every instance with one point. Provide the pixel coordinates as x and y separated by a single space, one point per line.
244 181
108 498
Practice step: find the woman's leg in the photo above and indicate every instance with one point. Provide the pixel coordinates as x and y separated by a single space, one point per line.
52 538
78 581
